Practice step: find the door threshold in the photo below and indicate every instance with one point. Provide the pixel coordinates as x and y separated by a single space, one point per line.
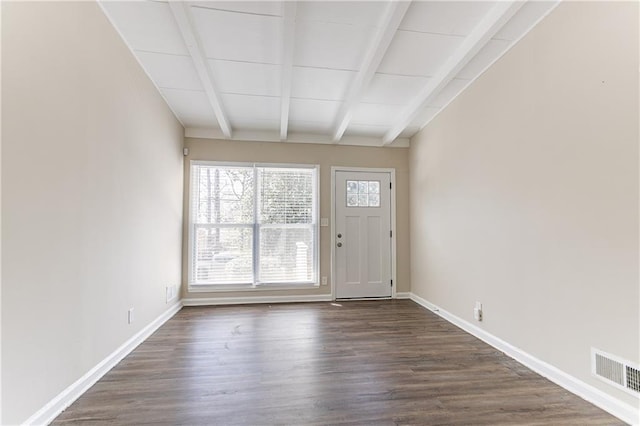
352 299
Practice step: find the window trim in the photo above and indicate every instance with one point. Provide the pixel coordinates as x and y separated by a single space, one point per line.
255 286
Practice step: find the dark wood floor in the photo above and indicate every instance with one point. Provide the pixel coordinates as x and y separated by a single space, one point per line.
362 363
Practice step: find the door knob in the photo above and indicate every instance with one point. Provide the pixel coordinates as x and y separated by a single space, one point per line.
339 244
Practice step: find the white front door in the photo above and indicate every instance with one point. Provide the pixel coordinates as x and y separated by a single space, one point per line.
363 234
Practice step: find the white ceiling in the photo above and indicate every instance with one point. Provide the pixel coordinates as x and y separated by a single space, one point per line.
348 72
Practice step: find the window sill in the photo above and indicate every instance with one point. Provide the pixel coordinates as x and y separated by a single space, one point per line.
215 288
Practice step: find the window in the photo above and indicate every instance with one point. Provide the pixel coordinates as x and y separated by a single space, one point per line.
253 225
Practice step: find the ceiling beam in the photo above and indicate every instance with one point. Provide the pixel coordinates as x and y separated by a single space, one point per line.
288 38
180 11
380 42
295 137
476 40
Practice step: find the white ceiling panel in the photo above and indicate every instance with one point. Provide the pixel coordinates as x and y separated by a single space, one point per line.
319 83
191 107
445 17
313 110
248 123
314 127
147 26
341 12
171 71
271 8
375 114
246 78
329 45
393 89
492 50
242 107
524 19
239 36
448 92
422 54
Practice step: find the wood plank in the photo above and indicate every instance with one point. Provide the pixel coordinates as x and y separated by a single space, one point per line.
372 362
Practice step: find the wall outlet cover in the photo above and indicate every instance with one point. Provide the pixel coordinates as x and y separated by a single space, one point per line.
477 312
171 293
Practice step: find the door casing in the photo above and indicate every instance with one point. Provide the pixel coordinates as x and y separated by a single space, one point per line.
392 172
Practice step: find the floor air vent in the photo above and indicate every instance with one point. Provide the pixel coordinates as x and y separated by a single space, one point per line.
616 371
633 379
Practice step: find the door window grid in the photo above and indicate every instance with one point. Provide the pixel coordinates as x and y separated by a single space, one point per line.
363 193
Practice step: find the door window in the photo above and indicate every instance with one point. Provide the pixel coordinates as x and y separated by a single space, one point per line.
363 193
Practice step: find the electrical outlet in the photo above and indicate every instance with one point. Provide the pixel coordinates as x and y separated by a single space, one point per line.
170 293
130 315
477 312
324 280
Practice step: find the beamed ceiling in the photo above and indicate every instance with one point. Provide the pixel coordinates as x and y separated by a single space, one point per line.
345 72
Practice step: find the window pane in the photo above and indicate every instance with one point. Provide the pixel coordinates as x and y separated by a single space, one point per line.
286 195
223 255
225 195
363 193
286 254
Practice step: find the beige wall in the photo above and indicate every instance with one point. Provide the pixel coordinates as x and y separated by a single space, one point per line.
326 156
524 193
91 198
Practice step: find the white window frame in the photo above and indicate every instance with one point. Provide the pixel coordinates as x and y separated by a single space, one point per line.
192 287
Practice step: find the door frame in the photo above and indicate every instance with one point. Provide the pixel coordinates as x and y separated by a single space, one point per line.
392 172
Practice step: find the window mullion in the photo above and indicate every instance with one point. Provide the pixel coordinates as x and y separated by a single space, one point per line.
256 228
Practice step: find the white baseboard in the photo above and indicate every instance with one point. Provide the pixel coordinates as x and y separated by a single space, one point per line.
403 295
214 301
621 410
53 408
